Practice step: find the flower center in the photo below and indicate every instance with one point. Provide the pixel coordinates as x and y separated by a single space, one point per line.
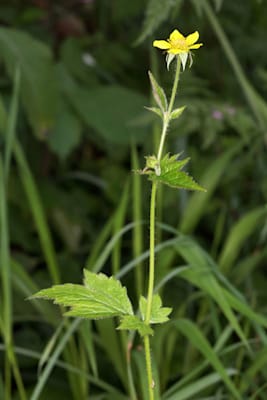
179 44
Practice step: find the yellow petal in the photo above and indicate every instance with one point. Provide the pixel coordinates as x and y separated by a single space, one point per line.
193 38
176 35
161 44
196 46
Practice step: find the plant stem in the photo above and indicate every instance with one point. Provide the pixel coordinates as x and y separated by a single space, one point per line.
151 252
152 217
149 367
166 120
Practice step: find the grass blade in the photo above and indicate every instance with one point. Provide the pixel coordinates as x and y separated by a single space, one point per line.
53 359
38 213
198 201
237 236
192 333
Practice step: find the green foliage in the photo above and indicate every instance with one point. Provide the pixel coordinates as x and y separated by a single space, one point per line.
83 88
66 133
39 87
192 332
157 12
133 323
100 297
168 171
159 314
158 93
117 123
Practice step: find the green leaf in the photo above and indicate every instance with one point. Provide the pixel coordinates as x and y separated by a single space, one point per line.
159 314
194 388
158 93
39 88
3 116
201 273
240 232
66 134
114 112
205 280
192 332
171 175
157 12
177 112
100 297
198 202
133 323
155 110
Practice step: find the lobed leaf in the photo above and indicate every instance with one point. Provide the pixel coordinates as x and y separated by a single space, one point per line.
100 297
159 314
133 323
172 175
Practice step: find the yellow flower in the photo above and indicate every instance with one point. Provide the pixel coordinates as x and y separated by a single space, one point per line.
178 43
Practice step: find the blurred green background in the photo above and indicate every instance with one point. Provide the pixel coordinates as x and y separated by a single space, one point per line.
73 86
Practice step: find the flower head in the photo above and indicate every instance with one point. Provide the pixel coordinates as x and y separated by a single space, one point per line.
178 44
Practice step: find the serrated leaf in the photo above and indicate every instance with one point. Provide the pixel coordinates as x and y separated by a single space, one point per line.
159 314
100 297
111 290
133 323
171 175
158 93
177 112
155 110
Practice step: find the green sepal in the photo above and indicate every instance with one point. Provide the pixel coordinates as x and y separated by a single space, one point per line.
133 323
100 297
169 58
171 174
159 314
177 112
155 110
183 57
158 93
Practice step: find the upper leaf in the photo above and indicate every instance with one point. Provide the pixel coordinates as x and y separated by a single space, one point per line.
100 297
155 110
177 112
171 174
159 314
158 93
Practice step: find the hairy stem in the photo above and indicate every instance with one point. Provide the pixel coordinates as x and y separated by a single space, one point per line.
151 277
166 121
